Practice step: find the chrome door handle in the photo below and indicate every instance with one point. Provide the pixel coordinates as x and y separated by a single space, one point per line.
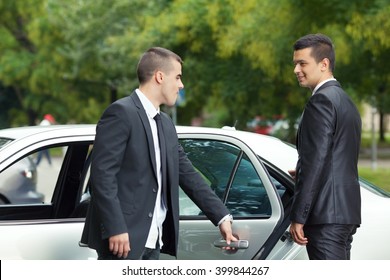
240 244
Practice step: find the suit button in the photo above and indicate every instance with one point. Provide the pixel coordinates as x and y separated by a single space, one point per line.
154 190
150 215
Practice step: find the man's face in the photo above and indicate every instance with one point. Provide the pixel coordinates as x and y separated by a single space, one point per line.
309 73
172 83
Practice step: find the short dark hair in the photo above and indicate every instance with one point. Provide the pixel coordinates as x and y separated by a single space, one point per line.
322 47
153 59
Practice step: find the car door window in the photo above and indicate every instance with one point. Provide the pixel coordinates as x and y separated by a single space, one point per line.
48 189
231 175
247 195
283 184
214 160
48 163
18 183
32 179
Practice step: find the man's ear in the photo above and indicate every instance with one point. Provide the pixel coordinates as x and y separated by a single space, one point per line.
158 76
325 64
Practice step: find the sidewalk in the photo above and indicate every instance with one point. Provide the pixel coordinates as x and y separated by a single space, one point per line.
380 163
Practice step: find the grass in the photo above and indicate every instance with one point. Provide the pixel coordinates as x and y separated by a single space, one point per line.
379 177
367 140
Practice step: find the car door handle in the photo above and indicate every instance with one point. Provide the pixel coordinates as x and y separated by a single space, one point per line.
240 244
286 236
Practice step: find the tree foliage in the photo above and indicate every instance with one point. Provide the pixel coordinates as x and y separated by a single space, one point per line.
72 58
371 30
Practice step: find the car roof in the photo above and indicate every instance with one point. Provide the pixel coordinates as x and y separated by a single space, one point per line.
16 133
269 148
24 138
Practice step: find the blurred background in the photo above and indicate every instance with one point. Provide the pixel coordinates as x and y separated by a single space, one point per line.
72 58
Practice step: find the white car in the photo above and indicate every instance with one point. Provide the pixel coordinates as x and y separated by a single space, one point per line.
248 171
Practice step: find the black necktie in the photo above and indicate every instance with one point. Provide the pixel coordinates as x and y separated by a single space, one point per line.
163 153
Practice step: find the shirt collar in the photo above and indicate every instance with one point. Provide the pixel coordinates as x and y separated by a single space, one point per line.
148 106
320 84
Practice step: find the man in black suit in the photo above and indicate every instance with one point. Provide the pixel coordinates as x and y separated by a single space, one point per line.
327 207
134 209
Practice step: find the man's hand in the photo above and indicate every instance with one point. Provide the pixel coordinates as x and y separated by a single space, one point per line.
119 245
226 231
296 231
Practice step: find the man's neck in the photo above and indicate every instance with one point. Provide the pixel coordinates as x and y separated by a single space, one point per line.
150 94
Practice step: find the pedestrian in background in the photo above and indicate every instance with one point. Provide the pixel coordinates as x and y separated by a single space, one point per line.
326 210
48 119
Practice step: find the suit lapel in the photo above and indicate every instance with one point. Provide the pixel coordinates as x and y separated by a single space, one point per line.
147 129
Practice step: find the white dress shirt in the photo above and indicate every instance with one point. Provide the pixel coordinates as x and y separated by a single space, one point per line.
160 210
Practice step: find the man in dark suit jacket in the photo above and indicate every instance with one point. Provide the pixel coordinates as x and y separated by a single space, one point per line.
327 206
134 209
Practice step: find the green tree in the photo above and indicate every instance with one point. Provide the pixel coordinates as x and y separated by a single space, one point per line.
371 33
99 51
18 55
71 58
231 65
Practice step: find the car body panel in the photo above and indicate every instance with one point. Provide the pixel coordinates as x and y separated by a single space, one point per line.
53 240
50 231
368 242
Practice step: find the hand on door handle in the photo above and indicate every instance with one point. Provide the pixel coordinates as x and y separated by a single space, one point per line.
235 245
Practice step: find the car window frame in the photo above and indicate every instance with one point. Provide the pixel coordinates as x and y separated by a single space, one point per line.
48 211
277 209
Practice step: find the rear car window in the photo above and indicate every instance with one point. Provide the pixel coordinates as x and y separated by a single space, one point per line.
4 141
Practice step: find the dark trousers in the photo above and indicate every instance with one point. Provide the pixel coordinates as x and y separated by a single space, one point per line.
329 241
42 153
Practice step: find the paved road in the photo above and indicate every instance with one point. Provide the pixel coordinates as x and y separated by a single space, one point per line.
47 177
383 153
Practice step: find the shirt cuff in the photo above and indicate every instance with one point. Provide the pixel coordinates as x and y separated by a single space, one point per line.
226 218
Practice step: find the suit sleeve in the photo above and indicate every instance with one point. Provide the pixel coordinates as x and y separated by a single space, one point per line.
112 134
315 150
